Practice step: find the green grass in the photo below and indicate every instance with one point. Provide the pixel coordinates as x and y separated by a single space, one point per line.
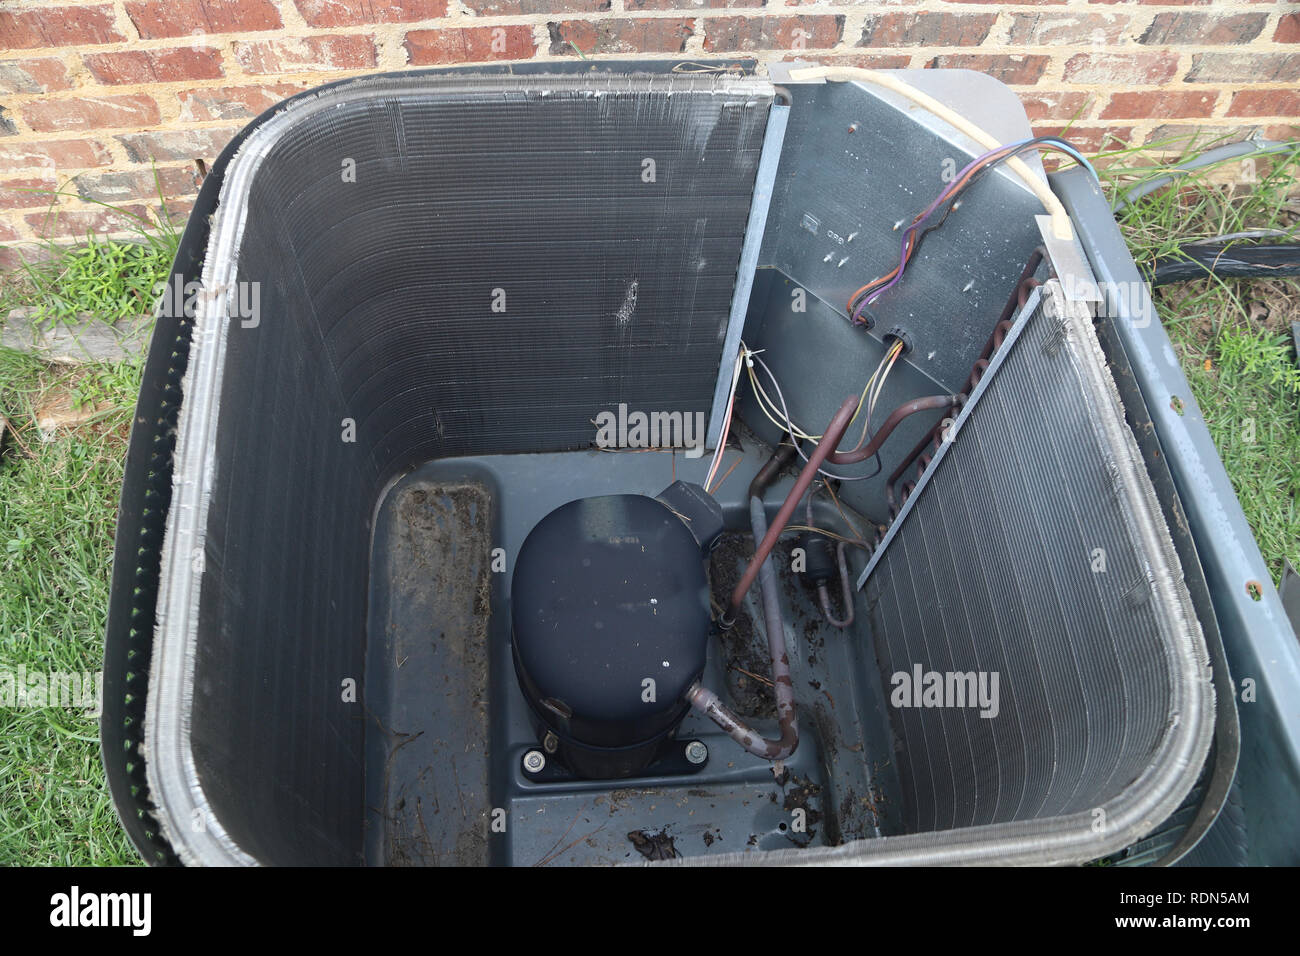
109 278
58 510
58 505
1233 336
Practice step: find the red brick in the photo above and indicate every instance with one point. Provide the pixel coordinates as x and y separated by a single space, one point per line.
179 18
232 102
173 145
926 29
79 222
733 34
348 13
13 257
40 75
1012 69
59 153
1121 69
100 112
57 26
1088 139
1064 29
1205 29
1054 105
1288 29
1244 68
310 54
1265 103
8 234
515 8
470 45
1282 133
178 210
867 61
637 5
117 187
1166 104
667 35
155 66
1191 137
25 193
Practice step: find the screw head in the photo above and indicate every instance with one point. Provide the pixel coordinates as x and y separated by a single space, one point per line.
534 761
696 752
550 743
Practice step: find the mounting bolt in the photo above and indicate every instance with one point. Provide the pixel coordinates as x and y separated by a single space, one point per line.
534 761
696 752
550 743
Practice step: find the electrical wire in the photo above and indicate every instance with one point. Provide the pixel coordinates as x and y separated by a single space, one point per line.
1061 226
821 471
921 227
769 409
726 422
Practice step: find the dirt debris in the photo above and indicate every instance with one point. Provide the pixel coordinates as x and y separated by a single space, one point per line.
654 846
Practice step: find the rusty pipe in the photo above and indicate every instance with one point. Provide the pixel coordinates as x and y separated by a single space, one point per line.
707 703
1022 292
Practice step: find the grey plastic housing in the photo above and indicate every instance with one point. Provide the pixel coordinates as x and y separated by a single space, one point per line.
263 592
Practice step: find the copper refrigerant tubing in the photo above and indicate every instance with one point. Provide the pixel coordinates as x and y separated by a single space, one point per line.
834 432
705 700
924 451
846 587
862 453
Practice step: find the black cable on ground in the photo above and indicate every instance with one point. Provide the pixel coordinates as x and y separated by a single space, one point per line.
1237 262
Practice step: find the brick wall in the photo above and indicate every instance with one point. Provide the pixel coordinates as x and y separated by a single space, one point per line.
95 94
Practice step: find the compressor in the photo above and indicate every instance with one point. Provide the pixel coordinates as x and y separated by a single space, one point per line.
611 621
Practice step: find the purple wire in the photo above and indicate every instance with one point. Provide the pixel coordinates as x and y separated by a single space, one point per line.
920 221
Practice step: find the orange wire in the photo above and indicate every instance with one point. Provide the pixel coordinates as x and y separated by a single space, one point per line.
911 238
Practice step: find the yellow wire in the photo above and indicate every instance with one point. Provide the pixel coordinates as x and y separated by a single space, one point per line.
763 398
764 401
892 355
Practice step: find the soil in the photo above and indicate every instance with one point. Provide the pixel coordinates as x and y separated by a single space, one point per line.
654 846
744 647
436 788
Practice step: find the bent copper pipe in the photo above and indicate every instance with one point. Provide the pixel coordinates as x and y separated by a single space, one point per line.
846 587
927 441
834 432
897 415
705 700
1008 310
823 591
767 474
1022 293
